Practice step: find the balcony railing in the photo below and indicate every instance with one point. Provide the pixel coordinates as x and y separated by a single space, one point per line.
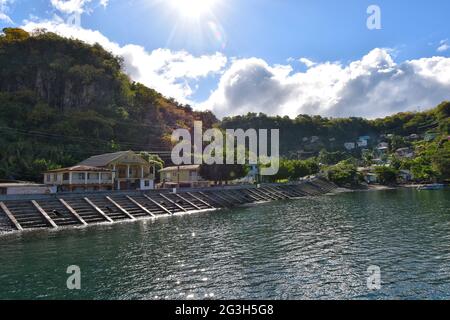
89 181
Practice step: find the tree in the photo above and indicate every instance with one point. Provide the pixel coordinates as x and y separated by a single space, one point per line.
15 34
441 161
63 100
331 158
398 142
367 158
155 160
386 175
223 172
344 173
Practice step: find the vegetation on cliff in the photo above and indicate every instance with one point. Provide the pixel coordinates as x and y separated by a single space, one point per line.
306 136
62 100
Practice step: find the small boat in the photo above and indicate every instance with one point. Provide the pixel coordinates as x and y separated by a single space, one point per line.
435 186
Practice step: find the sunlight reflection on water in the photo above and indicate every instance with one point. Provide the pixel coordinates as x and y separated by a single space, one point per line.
313 248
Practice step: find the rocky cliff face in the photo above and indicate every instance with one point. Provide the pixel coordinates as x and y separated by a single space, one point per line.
63 100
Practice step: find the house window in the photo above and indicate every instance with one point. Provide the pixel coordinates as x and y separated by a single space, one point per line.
106 176
66 176
93 176
147 183
48 177
81 176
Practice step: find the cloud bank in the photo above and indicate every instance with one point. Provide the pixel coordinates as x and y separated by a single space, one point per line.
373 86
75 6
4 7
443 46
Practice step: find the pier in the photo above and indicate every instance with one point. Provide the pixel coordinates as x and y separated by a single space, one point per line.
72 210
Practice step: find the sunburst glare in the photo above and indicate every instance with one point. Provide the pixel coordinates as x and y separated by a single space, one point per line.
193 8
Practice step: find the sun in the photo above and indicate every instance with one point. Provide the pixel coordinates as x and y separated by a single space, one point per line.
193 8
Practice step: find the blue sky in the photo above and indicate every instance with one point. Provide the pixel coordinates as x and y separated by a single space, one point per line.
260 43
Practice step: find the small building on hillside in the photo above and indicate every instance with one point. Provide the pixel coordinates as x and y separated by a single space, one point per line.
182 176
362 143
123 170
382 150
368 175
370 178
430 136
349 145
252 175
366 137
405 176
405 153
24 188
413 136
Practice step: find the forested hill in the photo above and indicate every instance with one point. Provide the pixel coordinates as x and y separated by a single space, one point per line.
307 135
62 100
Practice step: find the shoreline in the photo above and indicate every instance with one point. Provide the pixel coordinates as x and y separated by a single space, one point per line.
379 187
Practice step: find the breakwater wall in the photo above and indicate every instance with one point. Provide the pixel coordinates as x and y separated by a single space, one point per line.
33 212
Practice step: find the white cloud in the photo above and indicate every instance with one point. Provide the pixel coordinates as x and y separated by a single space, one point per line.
4 7
5 17
75 6
373 86
174 74
69 6
308 63
443 46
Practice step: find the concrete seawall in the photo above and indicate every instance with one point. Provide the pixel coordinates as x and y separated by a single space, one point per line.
21 213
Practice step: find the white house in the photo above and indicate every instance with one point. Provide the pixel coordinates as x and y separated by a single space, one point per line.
349 145
124 170
383 145
405 153
363 143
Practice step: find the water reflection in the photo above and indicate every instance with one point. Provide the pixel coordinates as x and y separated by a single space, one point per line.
311 248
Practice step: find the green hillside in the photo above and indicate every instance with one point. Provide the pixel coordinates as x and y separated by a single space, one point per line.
63 100
306 136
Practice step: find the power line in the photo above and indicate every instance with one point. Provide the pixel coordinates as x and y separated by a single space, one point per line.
79 139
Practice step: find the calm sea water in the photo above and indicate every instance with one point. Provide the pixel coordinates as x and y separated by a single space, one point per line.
316 248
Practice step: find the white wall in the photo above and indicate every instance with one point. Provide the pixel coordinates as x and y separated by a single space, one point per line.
30 190
150 187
